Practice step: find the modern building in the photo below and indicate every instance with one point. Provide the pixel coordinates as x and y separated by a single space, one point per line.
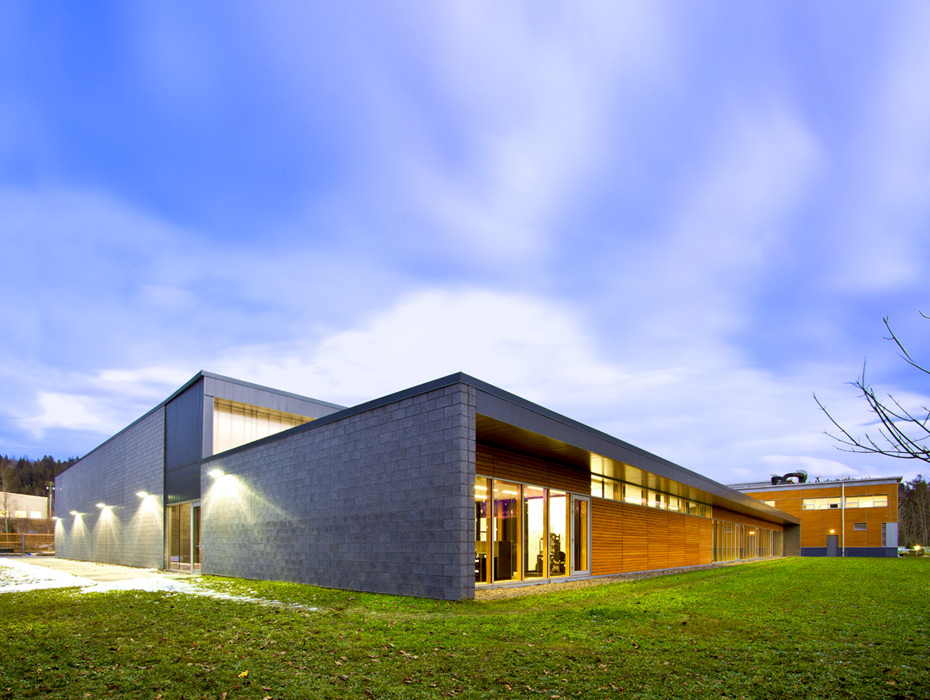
845 517
23 506
431 491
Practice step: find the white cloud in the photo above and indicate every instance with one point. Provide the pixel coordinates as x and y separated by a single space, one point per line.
710 412
522 342
884 230
57 410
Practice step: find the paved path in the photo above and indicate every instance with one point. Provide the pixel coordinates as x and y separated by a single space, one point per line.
100 573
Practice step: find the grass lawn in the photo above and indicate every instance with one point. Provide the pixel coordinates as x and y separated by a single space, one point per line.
792 628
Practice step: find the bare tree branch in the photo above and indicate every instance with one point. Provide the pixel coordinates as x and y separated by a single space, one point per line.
901 433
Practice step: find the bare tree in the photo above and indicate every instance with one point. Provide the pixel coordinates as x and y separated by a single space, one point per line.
5 500
901 433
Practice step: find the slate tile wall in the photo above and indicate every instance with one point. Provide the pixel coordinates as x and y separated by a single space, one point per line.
130 531
378 501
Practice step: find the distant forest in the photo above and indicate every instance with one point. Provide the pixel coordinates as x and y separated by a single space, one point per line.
30 476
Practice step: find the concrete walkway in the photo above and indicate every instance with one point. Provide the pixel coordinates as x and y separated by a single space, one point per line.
99 573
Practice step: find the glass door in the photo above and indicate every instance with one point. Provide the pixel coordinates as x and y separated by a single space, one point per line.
581 535
195 536
183 535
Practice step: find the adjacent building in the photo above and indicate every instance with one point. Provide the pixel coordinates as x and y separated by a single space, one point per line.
432 491
23 506
846 517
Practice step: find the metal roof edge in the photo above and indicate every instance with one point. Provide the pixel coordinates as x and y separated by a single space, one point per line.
713 487
763 486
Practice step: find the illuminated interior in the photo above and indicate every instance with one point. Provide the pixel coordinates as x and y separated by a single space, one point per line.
525 532
236 424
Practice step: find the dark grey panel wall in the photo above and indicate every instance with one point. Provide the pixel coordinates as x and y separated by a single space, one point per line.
182 484
880 552
792 539
183 444
130 530
380 500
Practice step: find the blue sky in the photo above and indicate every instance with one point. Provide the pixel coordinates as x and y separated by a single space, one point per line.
671 221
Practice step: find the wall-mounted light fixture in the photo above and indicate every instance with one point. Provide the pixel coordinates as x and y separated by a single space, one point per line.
142 494
215 473
74 512
101 505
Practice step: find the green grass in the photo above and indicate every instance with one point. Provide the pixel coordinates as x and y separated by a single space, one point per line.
794 628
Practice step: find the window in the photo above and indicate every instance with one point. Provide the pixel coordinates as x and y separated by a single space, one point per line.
633 494
851 502
236 424
616 490
769 503
820 503
859 526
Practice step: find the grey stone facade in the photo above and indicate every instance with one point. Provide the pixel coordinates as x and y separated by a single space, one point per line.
376 501
130 529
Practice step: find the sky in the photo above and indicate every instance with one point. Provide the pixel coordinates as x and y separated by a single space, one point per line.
674 222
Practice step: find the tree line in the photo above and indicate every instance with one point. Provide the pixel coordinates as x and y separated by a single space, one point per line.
30 477
914 512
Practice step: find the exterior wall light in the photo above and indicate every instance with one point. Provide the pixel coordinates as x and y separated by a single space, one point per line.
215 473
74 512
101 505
142 494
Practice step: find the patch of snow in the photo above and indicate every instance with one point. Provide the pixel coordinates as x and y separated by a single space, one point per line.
16 575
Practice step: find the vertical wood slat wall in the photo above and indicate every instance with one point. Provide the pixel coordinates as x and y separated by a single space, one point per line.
627 537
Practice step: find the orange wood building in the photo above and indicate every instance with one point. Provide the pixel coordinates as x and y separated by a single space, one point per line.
849 517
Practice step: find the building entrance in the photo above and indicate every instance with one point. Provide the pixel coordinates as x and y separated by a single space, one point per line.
183 534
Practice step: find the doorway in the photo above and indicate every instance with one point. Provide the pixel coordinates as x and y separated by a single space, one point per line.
183 535
581 536
833 545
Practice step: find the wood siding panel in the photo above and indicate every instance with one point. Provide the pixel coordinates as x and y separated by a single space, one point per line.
657 538
627 538
513 466
606 537
816 524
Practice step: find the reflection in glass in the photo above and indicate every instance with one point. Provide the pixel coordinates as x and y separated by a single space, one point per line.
195 535
534 531
506 531
580 535
482 529
558 533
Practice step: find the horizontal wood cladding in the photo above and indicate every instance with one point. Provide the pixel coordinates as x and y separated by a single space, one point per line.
790 500
816 524
626 537
513 466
